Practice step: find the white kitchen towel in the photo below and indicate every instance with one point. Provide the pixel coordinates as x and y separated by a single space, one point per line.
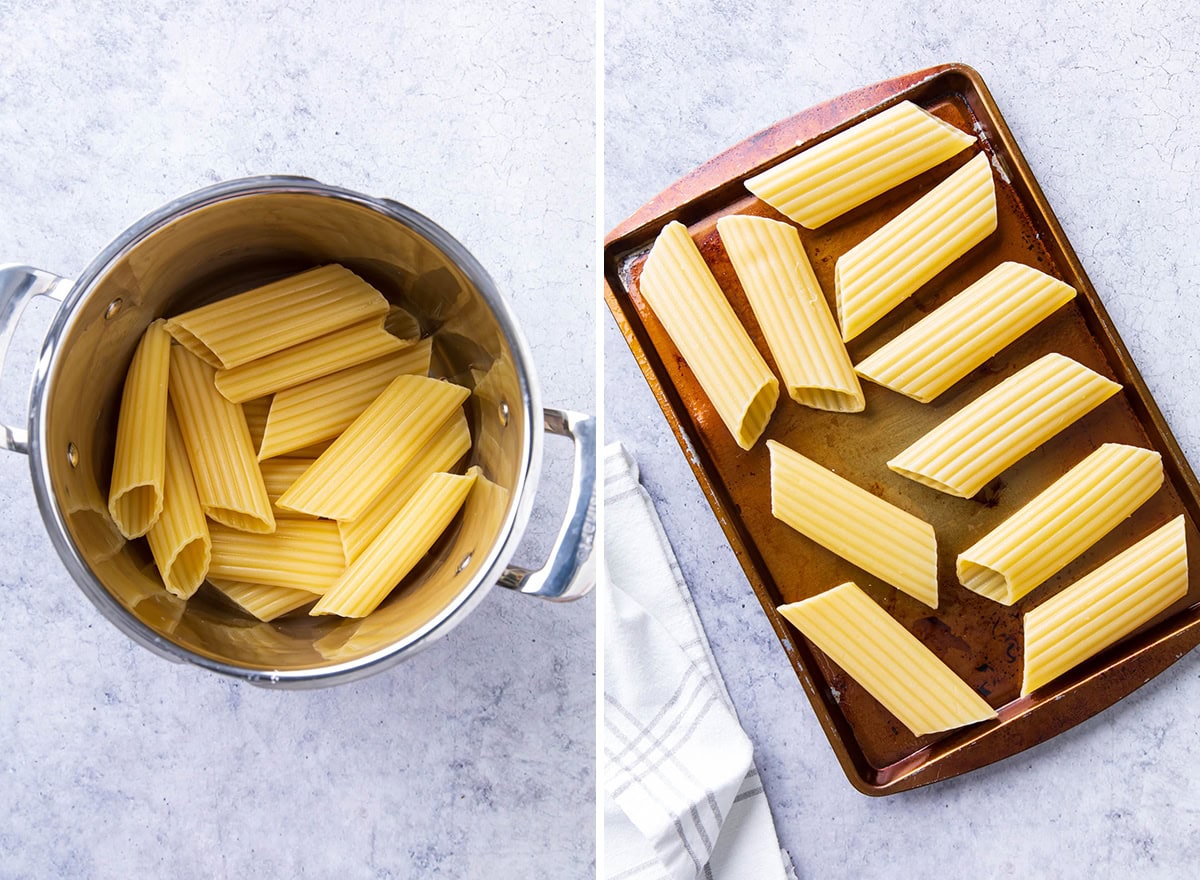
682 795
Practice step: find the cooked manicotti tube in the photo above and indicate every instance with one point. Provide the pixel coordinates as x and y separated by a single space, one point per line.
689 303
954 339
894 262
864 161
1062 522
791 310
1106 605
846 519
1003 425
887 660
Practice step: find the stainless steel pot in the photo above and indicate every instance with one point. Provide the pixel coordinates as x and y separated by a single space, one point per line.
228 238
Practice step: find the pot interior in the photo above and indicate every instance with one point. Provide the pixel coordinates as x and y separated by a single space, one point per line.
227 245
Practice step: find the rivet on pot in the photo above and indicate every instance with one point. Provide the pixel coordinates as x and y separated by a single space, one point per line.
72 455
504 413
113 308
462 565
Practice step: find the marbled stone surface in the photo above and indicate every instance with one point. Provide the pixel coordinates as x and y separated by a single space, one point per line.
1102 98
474 759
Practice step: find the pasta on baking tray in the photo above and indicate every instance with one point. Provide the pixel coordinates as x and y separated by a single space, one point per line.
887 660
345 394
853 167
957 337
686 299
1105 605
878 537
1003 425
895 261
1062 522
791 310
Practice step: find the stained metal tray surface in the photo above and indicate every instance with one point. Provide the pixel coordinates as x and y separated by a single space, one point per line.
979 639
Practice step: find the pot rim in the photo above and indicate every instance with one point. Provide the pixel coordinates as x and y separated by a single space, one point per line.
457 609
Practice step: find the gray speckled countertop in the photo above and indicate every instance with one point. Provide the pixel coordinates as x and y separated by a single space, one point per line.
466 761
1103 99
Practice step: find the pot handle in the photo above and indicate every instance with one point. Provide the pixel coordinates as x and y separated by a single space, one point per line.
570 572
18 285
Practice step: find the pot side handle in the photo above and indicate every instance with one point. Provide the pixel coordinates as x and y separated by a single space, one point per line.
570 572
18 285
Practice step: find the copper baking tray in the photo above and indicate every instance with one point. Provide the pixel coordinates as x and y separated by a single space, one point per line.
979 639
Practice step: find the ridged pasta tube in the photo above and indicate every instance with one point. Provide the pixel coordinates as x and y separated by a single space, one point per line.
887 660
390 433
791 310
1062 522
135 499
399 547
1105 605
688 302
301 555
957 337
895 261
1000 427
310 360
179 541
219 447
864 161
846 519
323 408
448 446
290 311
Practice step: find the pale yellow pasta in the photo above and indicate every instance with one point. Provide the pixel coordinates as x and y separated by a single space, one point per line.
954 339
377 447
404 540
261 600
278 476
862 528
1105 605
688 302
791 310
276 316
301 555
1075 512
864 161
1000 427
891 664
402 324
451 443
323 408
893 263
256 412
310 360
219 447
179 540
135 498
